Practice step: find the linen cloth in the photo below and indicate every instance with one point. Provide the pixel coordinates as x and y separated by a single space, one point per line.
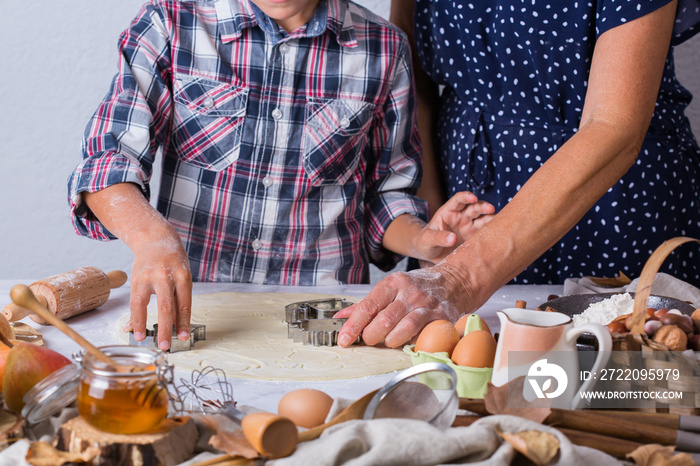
285 156
409 442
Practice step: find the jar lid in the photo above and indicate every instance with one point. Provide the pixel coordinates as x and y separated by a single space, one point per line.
52 394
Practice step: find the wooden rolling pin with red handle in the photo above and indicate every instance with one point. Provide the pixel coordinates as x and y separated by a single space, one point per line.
70 293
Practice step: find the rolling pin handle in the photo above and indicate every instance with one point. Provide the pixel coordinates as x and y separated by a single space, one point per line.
14 312
116 278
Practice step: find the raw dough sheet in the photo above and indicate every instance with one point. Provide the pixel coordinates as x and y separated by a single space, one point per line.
246 337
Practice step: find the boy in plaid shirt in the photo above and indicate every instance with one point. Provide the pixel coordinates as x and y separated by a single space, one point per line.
290 153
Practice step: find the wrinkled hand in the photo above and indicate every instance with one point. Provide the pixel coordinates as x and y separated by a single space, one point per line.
460 217
161 268
399 306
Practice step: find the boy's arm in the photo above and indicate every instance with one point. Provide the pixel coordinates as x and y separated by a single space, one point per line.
109 190
160 263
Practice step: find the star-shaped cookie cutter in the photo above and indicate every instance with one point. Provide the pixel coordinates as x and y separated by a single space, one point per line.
312 323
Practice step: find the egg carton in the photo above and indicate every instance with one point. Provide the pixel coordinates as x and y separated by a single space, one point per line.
312 322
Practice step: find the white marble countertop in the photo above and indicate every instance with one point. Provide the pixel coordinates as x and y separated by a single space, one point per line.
99 326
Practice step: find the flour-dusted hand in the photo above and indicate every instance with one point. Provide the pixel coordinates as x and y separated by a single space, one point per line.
399 307
160 267
453 223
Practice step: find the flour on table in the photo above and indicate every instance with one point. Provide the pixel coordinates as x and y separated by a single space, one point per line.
246 337
607 310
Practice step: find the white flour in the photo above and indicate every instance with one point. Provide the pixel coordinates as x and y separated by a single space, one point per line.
606 311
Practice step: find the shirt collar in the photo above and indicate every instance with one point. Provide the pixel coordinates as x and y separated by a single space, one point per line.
236 15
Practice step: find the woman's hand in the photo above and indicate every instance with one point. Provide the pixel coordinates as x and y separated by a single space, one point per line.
399 307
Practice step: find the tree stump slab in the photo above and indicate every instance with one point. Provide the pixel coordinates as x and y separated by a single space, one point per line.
172 443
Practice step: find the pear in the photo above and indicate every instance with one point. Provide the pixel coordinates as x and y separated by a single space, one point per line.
26 365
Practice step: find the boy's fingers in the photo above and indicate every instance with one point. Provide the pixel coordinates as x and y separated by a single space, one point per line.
461 200
138 304
166 311
439 238
183 297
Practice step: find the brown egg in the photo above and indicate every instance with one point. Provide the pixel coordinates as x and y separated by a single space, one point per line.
462 322
438 336
305 407
476 349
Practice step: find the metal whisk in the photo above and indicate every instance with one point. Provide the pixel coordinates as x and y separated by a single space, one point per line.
209 392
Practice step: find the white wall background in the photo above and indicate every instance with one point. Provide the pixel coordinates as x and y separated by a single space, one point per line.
57 59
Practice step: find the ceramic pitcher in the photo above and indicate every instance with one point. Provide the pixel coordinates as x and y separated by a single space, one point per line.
542 347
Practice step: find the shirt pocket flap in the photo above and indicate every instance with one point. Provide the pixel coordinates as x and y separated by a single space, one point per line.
343 116
212 98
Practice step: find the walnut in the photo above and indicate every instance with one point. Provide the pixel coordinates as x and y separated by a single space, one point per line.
674 338
696 315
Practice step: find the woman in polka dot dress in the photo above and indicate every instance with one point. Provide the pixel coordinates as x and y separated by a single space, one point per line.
566 116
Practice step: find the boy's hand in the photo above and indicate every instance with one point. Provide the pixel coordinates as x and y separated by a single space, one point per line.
453 223
161 267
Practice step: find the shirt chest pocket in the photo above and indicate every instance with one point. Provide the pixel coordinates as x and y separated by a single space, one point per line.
208 122
335 134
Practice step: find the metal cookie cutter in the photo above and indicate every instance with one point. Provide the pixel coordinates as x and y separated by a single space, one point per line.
312 322
197 332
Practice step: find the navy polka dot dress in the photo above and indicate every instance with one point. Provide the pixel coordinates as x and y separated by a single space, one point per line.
514 75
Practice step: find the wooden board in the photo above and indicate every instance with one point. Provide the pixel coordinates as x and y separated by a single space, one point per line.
173 443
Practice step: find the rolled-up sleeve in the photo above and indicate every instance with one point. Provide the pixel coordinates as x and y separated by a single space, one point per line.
393 181
123 135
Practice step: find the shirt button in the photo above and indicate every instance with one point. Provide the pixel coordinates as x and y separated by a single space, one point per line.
257 244
208 102
284 48
344 123
277 114
267 181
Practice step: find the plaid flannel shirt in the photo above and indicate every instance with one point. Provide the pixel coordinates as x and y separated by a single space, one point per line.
285 156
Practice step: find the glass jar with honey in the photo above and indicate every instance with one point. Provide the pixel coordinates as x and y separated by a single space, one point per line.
131 398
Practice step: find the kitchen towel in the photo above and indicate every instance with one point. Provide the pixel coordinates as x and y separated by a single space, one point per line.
409 442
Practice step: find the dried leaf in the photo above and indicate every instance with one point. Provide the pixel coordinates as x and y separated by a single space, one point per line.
538 447
233 443
659 455
615 282
508 399
43 454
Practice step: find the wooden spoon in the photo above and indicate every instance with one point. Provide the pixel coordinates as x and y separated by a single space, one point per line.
23 296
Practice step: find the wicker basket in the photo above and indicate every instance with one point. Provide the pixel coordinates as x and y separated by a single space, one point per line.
637 350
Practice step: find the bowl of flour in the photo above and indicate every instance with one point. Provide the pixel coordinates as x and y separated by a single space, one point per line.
603 308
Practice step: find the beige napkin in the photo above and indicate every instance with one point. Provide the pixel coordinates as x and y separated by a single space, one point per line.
409 442
664 285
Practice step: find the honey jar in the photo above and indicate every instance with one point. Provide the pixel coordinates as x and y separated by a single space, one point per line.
131 398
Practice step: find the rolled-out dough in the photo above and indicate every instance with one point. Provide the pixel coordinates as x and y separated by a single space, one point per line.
246 337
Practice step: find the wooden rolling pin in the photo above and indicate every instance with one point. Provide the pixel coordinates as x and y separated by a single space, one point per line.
70 293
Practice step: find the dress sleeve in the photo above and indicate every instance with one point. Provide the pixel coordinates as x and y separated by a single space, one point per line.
687 21
122 137
612 13
394 171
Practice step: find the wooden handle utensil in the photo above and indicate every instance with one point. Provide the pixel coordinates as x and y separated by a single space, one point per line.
23 296
69 294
